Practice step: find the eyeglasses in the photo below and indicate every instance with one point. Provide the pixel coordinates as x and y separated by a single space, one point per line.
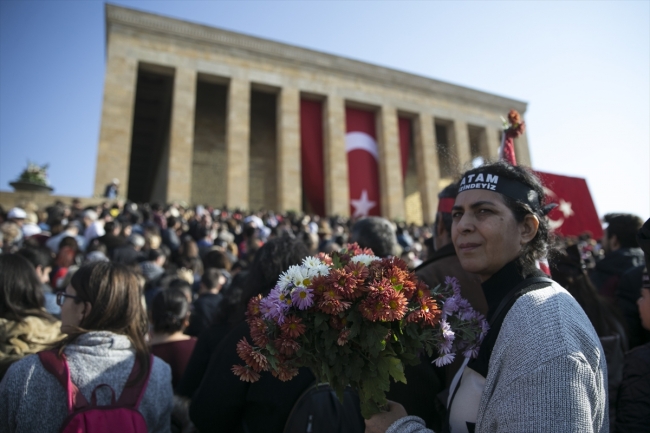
60 298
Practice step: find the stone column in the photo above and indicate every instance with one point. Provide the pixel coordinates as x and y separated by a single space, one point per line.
522 152
238 143
114 153
288 151
426 157
391 185
181 137
460 136
337 190
492 136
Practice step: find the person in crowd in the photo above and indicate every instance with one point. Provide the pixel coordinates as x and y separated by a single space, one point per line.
153 268
569 271
130 254
112 190
105 323
17 215
67 255
375 233
208 302
541 366
94 225
170 314
25 326
30 225
225 403
112 238
12 236
169 234
41 260
71 230
622 253
633 403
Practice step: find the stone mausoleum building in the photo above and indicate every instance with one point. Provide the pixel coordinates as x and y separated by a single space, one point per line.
203 115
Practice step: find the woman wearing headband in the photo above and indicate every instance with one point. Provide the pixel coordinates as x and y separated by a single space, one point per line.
541 367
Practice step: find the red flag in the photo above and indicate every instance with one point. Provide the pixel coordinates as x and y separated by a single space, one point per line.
311 136
508 149
575 213
363 156
404 142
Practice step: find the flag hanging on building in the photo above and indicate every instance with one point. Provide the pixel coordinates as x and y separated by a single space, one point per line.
363 158
575 213
311 138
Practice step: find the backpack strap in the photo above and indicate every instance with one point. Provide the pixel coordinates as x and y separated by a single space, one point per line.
93 397
528 285
58 367
132 395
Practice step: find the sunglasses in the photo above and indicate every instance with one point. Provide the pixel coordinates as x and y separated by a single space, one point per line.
60 298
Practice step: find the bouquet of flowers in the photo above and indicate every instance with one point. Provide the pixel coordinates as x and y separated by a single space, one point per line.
34 173
355 319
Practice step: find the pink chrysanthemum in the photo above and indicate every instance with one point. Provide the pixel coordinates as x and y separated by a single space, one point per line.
245 373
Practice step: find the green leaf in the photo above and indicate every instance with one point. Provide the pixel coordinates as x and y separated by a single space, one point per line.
396 369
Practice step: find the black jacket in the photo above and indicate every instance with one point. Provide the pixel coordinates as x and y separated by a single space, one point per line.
205 309
627 293
633 405
608 271
224 403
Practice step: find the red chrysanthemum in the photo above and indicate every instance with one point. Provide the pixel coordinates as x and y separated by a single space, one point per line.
284 372
319 285
374 307
286 346
253 309
396 306
343 282
427 313
422 290
337 322
259 331
245 373
358 271
252 358
343 337
292 327
332 306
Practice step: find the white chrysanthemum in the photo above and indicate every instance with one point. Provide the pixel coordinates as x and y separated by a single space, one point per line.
311 262
366 259
322 270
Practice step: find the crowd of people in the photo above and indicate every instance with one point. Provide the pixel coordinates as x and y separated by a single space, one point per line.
105 287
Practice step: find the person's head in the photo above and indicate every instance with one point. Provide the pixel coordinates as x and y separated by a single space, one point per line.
113 228
41 260
69 242
20 289
212 281
158 257
105 296
136 241
375 233
498 217
89 217
216 259
17 215
621 231
442 224
170 311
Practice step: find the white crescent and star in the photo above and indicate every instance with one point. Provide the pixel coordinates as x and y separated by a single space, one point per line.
563 206
361 141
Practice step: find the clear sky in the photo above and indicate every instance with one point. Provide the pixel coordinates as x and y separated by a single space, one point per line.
583 67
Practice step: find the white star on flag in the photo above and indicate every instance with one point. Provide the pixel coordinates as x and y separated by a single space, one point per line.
363 205
565 208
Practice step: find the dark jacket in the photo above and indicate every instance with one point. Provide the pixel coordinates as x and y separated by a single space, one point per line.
607 273
127 255
224 403
633 405
627 293
205 309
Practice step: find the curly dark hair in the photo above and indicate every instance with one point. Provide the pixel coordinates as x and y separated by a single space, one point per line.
539 247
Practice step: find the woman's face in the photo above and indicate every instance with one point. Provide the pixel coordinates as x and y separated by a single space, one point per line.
485 233
72 312
644 308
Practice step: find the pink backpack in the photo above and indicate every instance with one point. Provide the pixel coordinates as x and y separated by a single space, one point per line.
121 416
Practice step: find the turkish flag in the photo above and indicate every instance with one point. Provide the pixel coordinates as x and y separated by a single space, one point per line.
363 157
311 143
575 213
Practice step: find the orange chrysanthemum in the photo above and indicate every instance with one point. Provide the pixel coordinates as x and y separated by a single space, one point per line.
332 306
292 327
245 373
396 307
284 372
343 282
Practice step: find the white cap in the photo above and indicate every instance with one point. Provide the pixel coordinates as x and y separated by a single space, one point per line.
116 181
17 213
90 214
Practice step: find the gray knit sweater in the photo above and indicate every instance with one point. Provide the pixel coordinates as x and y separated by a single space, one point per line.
32 400
547 371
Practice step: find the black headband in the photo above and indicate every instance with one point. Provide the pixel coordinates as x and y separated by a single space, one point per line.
508 187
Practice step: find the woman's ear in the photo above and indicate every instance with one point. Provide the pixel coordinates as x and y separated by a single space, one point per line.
528 228
86 310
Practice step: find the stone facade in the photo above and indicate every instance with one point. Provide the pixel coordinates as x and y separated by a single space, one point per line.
242 148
